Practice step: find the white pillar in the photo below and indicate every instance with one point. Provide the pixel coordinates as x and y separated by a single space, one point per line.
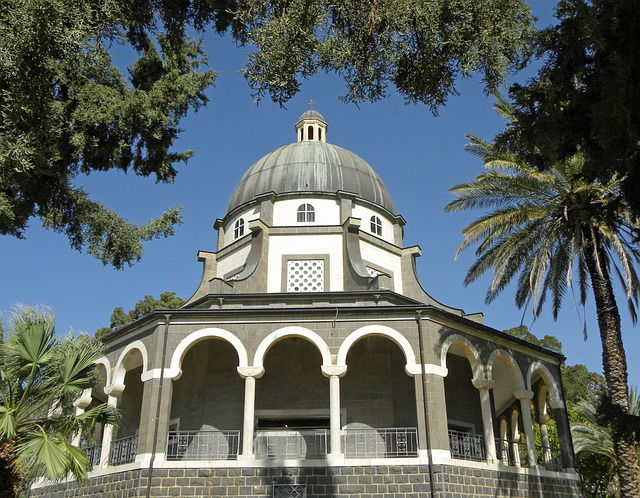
81 404
483 386
544 436
334 372
113 391
525 409
250 374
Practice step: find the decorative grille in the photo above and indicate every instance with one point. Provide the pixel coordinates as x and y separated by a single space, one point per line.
305 275
203 445
123 450
293 443
289 491
466 446
390 442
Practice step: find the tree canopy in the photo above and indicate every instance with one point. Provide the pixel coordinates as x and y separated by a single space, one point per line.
586 96
66 110
120 318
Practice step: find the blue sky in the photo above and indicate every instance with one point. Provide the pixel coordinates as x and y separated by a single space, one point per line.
418 156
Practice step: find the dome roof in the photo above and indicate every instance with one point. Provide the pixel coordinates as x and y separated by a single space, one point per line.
311 114
311 167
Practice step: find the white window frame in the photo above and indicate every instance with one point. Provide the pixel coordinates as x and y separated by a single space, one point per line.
238 228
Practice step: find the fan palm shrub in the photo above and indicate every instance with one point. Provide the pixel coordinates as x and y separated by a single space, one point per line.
593 445
549 231
40 377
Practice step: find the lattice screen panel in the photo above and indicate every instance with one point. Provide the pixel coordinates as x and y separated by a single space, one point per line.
305 275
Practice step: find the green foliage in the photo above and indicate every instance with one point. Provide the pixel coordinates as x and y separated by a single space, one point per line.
593 443
586 96
67 110
548 341
421 47
41 376
580 383
167 300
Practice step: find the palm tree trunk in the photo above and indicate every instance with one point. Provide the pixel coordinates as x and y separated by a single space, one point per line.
8 478
614 363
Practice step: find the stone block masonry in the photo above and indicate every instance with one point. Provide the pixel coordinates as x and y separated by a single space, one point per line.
387 481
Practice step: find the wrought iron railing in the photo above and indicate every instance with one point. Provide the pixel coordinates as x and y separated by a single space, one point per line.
92 454
466 446
123 450
292 444
391 442
203 445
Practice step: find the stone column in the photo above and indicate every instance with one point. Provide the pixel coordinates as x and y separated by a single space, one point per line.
114 391
81 404
564 434
148 422
525 409
334 372
250 375
515 437
437 411
483 386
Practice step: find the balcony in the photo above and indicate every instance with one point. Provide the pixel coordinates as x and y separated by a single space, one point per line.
203 445
394 442
92 454
123 450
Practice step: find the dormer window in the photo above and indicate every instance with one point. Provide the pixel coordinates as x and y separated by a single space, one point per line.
306 213
376 226
238 228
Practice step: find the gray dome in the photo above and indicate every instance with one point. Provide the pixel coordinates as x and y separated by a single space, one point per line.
311 114
311 167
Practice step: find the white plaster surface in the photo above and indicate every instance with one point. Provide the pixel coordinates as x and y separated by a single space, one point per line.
385 259
365 213
285 212
248 215
294 245
232 261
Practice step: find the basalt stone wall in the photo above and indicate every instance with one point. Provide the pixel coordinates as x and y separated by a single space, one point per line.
323 482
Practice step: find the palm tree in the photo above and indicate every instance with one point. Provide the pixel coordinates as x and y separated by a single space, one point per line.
592 440
549 229
40 377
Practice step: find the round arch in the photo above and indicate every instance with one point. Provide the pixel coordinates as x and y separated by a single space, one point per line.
469 350
555 400
120 370
509 362
104 362
411 367
282 333
175 369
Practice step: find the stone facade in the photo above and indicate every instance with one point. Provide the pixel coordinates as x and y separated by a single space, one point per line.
388 481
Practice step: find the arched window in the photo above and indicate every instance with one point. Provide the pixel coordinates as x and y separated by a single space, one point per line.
238 228
376 225
309 132
306 213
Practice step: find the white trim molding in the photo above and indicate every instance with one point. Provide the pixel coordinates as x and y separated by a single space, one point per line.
277 335
120 370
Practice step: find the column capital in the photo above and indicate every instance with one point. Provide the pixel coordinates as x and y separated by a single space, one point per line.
114 389
256 372
83 400
523 394
334 370
482 383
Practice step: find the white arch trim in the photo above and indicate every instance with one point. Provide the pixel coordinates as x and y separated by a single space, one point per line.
511 365
104 361
175 369
411 367
555 400
470 352
120 371
293 331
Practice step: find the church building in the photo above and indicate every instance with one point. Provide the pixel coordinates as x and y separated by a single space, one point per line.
311 362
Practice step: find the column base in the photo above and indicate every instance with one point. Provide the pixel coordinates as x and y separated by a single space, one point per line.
336 459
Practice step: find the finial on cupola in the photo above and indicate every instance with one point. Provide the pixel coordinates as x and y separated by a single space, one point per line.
311 126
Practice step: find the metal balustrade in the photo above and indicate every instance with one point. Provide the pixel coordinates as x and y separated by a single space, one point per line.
392 442
92 454
203 445
123 450
292 444
466 446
